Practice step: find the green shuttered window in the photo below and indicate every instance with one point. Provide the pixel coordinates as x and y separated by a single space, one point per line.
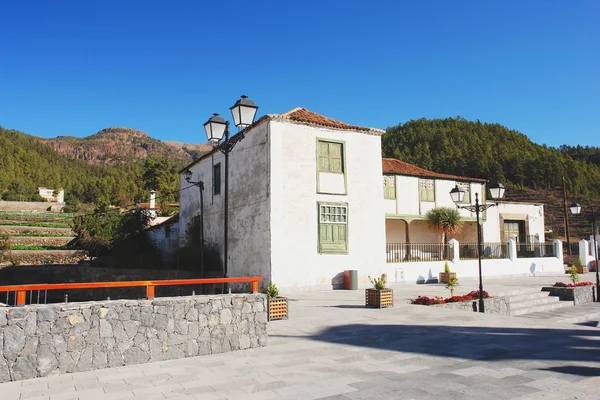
389 187
330 157
426 190
333 228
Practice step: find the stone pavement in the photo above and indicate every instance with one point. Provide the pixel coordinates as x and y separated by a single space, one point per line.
334 348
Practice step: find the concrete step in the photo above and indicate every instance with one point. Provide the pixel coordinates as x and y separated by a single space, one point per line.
516 292
528 296
515 305
540 308
572 314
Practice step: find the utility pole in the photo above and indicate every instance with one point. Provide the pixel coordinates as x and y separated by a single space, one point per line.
566 215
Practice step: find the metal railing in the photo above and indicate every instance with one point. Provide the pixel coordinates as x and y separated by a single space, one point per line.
536 249
36 290
412 252
489 250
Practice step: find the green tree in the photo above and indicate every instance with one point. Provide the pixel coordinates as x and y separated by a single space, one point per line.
445 221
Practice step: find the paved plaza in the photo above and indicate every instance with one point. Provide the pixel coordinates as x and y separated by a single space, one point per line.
334 348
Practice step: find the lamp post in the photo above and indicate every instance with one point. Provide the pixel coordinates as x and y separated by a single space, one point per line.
200 185
458 195
591 215
243 113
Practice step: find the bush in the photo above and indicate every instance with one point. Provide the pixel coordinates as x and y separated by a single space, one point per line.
427 301
574 275
379 283
272 290
446 267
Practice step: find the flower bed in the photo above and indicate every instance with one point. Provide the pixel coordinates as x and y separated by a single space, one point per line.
427 301
567 285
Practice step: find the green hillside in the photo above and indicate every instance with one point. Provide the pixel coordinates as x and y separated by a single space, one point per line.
494 152
27 162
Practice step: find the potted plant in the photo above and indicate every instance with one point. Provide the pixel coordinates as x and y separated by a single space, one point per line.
446 275
582 269
277 306
451 285
379 296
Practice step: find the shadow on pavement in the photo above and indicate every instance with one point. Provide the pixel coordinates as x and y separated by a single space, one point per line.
475 343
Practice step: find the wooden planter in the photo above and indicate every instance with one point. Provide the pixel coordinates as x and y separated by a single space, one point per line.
277 308
582 269
375 298
444 277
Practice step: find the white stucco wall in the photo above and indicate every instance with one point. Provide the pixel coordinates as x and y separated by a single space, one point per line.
532 213
407 195
296 263
415 272
249 204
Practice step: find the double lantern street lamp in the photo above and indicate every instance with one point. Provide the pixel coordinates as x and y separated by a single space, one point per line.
591 215
243 113
458 195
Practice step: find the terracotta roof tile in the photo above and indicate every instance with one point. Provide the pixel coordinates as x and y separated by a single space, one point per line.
397 167
308 117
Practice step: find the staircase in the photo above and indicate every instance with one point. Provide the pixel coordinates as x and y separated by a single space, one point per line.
530 301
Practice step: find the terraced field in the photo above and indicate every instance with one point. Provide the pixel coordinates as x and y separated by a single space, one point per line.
38 239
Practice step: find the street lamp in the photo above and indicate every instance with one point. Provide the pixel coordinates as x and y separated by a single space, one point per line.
200 185
458 195
591 215
243 113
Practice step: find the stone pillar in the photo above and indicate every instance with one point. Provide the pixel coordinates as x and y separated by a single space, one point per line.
558 248
512 249
455 250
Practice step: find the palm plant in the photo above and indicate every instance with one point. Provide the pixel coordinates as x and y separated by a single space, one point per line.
445 221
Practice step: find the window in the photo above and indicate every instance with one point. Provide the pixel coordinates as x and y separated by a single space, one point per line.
217 179
466 187
389 187
426 190
333 228
330 157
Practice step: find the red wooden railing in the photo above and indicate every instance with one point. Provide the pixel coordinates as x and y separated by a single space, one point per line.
21 290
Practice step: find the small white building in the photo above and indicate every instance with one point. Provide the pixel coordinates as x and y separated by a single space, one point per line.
307 201
52 195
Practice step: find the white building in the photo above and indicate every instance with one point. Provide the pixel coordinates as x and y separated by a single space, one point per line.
52 195
306 202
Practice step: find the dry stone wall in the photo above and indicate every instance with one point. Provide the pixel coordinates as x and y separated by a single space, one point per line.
42 340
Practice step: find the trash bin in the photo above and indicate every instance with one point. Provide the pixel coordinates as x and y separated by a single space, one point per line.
350 279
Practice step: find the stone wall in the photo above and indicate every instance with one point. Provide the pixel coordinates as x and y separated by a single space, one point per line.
42 340
578 295
494 305
41 240
17 230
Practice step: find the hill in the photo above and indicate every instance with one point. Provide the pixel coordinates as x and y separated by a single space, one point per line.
116 165
118 145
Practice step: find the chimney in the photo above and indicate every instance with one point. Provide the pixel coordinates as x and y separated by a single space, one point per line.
153 204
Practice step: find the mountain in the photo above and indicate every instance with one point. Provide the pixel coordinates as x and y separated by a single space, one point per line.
116 165
118 145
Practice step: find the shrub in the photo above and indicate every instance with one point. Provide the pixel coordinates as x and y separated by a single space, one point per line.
451 285
446 267
579 262
379 283
272 290
574 275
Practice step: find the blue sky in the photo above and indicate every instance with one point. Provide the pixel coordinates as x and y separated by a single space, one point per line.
75 67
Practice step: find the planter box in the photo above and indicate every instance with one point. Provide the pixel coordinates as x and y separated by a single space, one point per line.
582 269
375 298
444 277
277 308
578 295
